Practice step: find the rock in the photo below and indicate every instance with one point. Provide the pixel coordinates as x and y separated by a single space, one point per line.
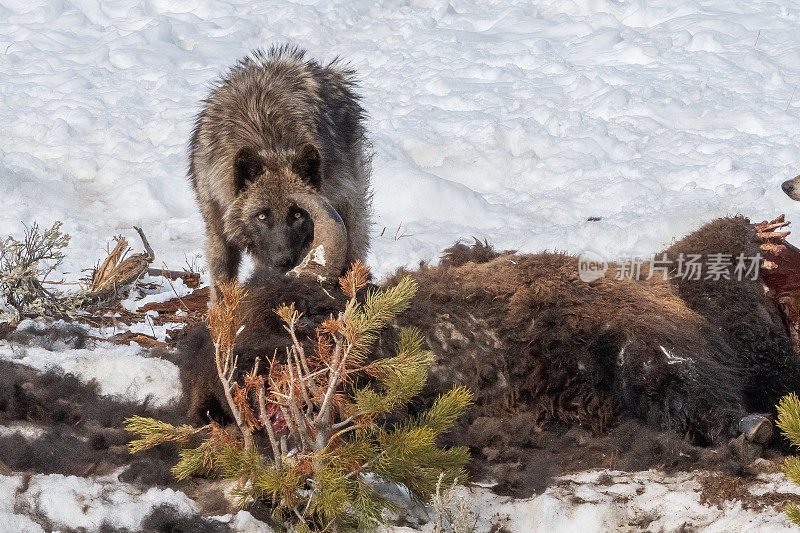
409 511
756 428
744 450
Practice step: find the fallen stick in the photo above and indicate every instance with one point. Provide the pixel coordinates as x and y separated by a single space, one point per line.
112 277
191 279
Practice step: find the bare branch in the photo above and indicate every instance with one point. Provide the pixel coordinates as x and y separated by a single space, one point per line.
347 420
225 370
304 380
299 347
265 420
150 254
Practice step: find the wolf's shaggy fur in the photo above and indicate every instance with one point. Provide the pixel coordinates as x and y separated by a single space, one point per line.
276 124
525 334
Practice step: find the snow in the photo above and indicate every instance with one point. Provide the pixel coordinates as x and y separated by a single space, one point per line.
244 522
162 291
119 371
511 121
611 501
26 430
86 504
77 502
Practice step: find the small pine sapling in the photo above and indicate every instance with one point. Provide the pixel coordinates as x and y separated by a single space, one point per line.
324 432
789 424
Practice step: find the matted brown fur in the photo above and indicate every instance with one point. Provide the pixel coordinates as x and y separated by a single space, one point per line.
542 349
572 351
751 323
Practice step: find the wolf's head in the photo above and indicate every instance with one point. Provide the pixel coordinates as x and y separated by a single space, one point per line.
268 216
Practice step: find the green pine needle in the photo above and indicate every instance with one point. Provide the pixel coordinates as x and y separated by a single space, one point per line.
446 409
237 463
154 432
380 307
789 424
194 461
789 418
793 513
402 376
791 467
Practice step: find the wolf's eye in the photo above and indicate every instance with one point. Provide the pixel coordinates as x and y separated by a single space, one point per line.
296 215
262 216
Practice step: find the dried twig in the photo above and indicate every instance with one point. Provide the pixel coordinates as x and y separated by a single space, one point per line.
114 275
103 272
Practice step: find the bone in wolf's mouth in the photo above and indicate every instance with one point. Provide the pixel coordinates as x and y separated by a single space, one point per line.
325 258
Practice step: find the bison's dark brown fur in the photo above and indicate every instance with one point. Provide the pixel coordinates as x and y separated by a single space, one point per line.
262 335
527 335
751 325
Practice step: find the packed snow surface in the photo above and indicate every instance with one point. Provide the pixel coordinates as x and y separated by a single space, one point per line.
122 372
612 501
92 504
514 121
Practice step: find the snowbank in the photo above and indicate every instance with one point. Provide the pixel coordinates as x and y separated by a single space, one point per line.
514 121
87 504
119 371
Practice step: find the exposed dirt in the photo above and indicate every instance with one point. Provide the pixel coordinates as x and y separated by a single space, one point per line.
525 460
5 329
717 488
196 302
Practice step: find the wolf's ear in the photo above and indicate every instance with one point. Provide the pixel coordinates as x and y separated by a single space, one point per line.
308 165
246 167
